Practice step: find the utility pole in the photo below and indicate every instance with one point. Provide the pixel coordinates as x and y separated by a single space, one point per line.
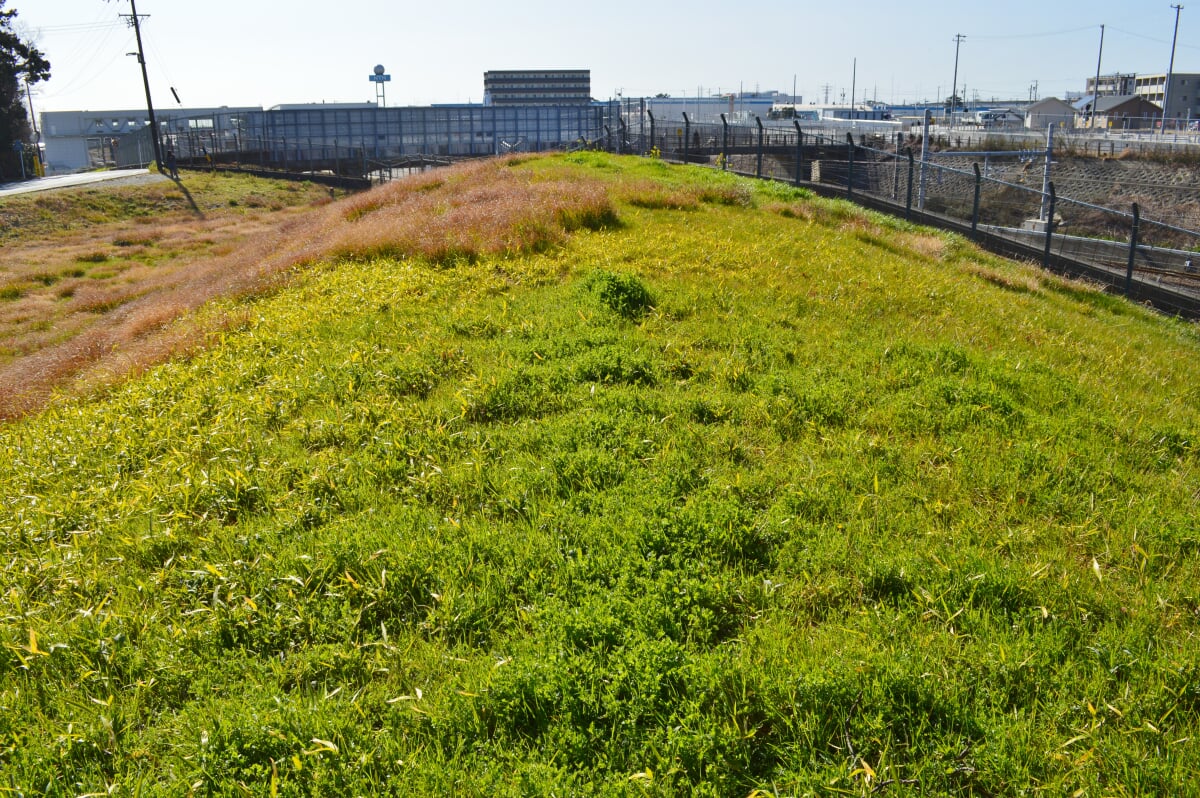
958 39
1170 70
1096 88
141 57
37 134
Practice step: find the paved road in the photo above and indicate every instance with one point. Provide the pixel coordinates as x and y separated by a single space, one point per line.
82 179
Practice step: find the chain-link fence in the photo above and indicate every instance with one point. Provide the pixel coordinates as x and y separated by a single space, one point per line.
1145 259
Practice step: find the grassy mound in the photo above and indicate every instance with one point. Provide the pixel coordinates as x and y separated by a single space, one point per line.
663 484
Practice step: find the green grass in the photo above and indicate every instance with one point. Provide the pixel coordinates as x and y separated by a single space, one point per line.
743 492
56 213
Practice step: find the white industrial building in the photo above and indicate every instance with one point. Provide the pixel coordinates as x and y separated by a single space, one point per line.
78 140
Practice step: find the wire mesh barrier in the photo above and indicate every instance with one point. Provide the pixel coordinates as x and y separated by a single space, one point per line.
1002 195
1146 260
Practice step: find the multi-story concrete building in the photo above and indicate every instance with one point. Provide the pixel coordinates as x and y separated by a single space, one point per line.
1113 85
533 87
1184 100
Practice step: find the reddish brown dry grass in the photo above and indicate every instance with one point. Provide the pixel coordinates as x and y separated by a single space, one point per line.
110 303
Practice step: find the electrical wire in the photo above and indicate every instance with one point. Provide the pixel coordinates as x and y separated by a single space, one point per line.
1165 42
158 61
1033 35
79 27
89 72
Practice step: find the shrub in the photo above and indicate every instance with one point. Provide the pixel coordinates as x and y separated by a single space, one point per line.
624 294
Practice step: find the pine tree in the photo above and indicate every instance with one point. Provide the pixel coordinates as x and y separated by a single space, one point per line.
20 62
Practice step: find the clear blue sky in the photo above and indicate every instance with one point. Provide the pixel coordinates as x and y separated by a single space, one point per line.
267 52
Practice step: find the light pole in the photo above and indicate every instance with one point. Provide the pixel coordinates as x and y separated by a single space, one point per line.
1170 70
958 38
1096 88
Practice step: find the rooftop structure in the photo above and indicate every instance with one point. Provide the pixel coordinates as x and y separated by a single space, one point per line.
532 87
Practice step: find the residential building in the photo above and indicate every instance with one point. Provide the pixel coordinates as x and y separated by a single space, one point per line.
1113 85
1050 111
1126 112
1185 94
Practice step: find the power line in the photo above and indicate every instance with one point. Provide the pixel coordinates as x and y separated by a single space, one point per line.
1034 35
78 27
87 71
1154 39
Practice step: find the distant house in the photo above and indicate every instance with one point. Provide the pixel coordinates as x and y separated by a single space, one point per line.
1000 117
1050 111
1121 112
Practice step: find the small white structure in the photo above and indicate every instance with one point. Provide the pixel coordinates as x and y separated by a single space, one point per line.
999 117
1050 111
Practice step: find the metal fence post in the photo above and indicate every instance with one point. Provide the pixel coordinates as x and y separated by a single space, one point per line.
911 170
687 135
650 114
975 208
1133 242
1046 171
724 143
896 168
924 160
1049 228
799 150
849 166
758 167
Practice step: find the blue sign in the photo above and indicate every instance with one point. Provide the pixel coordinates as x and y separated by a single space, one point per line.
380 78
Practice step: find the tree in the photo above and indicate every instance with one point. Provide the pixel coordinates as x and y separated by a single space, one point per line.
20 63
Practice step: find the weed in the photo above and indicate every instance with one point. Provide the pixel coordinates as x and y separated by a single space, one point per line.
624 294
849 513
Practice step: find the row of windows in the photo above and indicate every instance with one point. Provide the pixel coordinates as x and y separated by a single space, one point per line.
516 88
528 75
583 83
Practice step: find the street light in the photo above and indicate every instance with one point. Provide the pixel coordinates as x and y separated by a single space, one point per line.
958 38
